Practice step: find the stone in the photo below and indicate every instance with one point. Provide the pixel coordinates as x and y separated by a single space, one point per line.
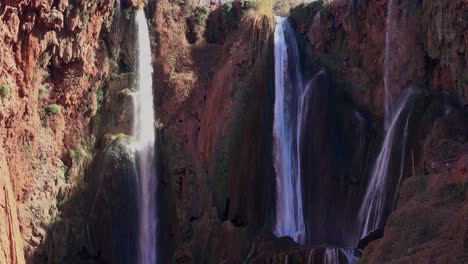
52 19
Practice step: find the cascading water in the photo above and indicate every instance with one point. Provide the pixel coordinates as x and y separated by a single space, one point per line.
288 90
389 97
307 149
144 144
380 194
117 6
332 256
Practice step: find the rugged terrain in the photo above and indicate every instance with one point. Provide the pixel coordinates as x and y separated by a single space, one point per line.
50 56
66 72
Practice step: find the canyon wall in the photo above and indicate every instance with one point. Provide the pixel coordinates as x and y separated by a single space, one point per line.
427 49
215 103
51 64
348 37
66 75
67 190
10 239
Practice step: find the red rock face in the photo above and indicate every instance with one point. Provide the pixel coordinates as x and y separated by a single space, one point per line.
351 46
10 236
429 224
445 42
427 47
49 55
212 97
213 116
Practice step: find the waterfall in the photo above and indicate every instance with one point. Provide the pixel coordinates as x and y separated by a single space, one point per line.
332 256
117 6
388 97
380 194
288 91
382 188
144 144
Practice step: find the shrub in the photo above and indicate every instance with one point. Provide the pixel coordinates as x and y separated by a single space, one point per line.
127 91
86 14
129 13
54 109
122 136
200 15
226 8
121 76
4 90
69 9
260 7
42 91
114 76
99 94
78 153
85 17
114 64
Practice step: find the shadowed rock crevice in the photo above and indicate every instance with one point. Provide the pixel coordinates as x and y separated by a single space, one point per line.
113 215
333 163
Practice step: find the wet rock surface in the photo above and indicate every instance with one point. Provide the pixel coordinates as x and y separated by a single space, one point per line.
114 214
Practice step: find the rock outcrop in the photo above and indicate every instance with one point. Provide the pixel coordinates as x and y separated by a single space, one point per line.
50 53
67 185
426 47
430 222
213 93
113 213
11 243
335 147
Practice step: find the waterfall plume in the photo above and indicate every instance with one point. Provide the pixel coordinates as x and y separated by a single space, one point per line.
144 144
288 90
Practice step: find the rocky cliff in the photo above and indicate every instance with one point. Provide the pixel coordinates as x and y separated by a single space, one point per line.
66 72
214 91
67 183
52 63
426 43
418 44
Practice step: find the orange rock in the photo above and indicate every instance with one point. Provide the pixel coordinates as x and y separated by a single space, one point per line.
11 242
35 52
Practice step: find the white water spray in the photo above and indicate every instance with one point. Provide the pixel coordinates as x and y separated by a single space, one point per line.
375 200
288 90
333 256
144 144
